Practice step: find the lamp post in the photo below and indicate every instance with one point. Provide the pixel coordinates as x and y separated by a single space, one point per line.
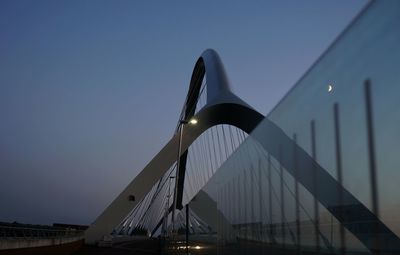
187 228
165 223
181 125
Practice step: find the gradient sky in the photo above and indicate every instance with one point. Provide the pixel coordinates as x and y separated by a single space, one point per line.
90 91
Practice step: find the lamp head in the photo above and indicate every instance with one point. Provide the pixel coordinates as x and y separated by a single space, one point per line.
193 121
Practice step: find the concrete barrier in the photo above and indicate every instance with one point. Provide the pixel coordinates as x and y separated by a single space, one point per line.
59 245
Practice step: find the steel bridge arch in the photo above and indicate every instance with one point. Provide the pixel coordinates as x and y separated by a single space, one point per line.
223 107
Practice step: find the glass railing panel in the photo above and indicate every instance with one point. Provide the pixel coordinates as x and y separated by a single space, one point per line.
319 174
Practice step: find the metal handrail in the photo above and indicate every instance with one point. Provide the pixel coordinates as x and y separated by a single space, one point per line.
11 232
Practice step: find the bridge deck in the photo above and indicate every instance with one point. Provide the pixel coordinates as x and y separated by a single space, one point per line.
147 247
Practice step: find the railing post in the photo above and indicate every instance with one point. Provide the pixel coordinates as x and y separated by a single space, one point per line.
339 175
372 162
296 190
315 185
282 194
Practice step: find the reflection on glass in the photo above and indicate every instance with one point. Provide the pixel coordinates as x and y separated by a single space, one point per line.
302 182
320 174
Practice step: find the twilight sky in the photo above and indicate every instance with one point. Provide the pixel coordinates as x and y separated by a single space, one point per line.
91 90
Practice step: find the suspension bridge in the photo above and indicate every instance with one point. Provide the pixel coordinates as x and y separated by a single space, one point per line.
317 175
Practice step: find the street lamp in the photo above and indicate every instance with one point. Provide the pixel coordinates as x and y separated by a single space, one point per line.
182 123
165 223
